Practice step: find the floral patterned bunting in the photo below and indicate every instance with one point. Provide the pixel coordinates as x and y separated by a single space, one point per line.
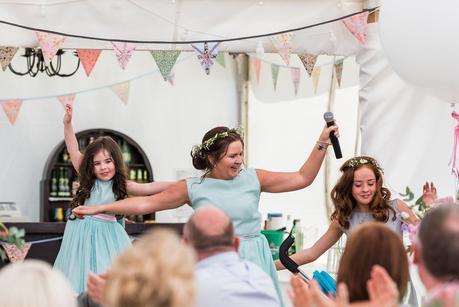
12 108
6 55
165 60
283 45
309 61
88 58
358 26
14 253
315 78
275 74
339 71
256 67
122 91
206 53
50 44
66 99
295 72
123 52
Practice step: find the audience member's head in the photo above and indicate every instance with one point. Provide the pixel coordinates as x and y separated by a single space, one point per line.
210 231
157 271
368 245
34 283
437 248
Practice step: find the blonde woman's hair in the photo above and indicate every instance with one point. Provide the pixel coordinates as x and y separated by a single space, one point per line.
157 271
35 283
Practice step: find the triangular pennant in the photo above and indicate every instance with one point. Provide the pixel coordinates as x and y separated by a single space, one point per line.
122 91
358 25
339 71
309 61
275 74
221 59
88 58
206 53
12 108
50 44
14 253
165 60
295 72
66 99
6 55
315 76
256 67
283 45
123 52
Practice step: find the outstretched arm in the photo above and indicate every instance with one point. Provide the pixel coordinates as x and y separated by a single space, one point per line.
330 237
70 139
145 189
171 198
276 182
403 208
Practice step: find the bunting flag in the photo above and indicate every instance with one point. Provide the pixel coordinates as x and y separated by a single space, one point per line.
165 60
309 61
275 74
66 99
283 45
122 91
12 108
49 44
206 53
88 58
315 78
14 253
339 71
123 52
221 59
295 72
256 67
358 26
6 55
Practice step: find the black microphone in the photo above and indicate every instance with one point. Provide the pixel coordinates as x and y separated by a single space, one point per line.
328 116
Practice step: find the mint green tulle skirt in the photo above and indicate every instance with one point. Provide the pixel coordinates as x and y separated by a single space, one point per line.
89 245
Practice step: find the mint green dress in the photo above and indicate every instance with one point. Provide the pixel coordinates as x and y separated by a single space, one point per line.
239 198
90 244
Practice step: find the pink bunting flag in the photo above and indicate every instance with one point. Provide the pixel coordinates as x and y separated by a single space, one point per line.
50 44
206 53
358 26
123 52
453 162
12 108
14 253
295 72
6 55
67 99
283 45
256 67
122 91
88 58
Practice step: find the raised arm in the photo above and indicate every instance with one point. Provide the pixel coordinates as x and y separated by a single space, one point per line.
170 198
276 182
325 242
70 139
145 189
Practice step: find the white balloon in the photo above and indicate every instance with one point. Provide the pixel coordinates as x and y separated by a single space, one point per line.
421 41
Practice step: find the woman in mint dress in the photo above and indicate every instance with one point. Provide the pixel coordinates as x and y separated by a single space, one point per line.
228 185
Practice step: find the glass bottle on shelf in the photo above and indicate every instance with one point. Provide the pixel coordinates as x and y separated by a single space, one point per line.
59 214
145 176
61 187
139 177
81 144
53 190
66 184
65 155
126 152
132 174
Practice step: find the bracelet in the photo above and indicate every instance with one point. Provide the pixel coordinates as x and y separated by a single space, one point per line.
322 145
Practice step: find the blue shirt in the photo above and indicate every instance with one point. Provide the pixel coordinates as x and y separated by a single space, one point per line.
224 280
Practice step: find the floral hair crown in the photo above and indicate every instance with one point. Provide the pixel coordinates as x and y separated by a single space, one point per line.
356 162
197 149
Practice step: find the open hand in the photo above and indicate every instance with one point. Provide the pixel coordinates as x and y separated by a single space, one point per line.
382 290
86 210
68 114
429 193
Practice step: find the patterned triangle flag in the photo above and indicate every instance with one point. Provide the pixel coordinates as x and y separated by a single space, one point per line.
12 108
283 45
14 253
275 74
206 53
165 60
66 99
123 52
358 26
122 91
88 58
295 72
49 44
339 71
6 55
309 61
256 67
315 78
221 59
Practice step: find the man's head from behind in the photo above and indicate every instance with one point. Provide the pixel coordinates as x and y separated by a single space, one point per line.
210 231
438 243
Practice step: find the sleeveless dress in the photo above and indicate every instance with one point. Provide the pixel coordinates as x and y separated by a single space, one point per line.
90 244
238 198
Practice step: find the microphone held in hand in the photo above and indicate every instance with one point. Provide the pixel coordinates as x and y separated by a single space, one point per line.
328 116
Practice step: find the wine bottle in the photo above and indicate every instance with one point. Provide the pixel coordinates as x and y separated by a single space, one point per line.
60 182
126 152
145 176
139 177
53 192
65 155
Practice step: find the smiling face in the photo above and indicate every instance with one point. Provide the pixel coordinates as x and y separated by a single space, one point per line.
364 187
229 164
104 166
